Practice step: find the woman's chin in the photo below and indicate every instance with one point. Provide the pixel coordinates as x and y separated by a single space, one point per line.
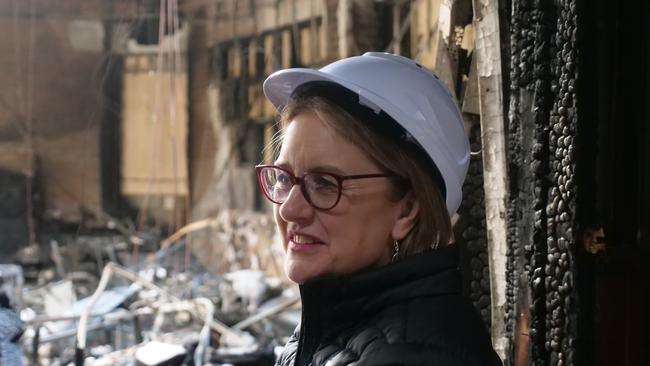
299 278
299 271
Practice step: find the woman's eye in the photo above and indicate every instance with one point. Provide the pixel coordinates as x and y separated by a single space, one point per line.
324 182
283 179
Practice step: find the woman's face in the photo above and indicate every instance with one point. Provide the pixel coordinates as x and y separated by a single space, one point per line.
353 235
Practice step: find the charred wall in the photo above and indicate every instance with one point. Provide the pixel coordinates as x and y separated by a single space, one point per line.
578 183
13 223
542 163
48 94
471 234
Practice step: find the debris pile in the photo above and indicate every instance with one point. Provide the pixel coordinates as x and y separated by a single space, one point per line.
11 327
104 302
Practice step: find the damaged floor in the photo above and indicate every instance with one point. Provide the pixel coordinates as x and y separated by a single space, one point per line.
109 299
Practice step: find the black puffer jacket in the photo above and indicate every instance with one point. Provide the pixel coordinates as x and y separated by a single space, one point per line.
407 313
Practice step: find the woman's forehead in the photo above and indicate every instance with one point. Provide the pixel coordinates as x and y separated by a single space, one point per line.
310 143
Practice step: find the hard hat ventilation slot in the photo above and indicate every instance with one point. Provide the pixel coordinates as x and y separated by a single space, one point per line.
368 103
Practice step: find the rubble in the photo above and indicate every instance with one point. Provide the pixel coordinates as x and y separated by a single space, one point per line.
156 353
96 300
11 326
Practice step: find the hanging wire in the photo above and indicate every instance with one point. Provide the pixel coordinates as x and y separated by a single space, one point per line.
154 126
25 101
23 106
29 114
188 198
17 56
164 116
183 214
155 119
171 72
177 71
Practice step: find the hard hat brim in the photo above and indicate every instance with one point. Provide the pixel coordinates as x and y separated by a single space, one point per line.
279 86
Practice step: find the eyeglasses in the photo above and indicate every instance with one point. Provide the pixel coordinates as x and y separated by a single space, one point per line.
322 190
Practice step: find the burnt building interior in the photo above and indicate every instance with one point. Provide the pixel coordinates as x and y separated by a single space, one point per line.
129 129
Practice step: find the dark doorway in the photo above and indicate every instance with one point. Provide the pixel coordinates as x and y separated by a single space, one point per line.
614 194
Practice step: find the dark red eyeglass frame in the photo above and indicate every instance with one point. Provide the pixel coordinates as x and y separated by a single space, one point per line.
299 179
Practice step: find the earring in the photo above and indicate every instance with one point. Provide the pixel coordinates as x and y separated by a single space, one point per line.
395 251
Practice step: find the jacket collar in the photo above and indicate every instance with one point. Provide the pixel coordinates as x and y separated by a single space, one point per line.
339 299
334 302
428 266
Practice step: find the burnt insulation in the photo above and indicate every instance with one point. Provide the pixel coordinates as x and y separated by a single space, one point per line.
471 234
541 160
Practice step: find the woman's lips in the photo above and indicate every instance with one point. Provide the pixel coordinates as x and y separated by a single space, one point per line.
301 242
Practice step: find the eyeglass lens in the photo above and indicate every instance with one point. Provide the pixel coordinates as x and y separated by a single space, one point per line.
320 189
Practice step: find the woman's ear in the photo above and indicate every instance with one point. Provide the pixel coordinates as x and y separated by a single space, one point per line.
410 208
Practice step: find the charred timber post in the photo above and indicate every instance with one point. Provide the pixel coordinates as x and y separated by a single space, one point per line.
488 53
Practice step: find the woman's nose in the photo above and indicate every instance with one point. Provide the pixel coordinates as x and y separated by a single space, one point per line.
295 206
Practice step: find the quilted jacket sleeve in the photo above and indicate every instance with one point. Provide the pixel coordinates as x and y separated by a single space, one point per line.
288 356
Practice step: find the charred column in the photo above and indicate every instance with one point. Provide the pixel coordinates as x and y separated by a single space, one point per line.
542 129
471 232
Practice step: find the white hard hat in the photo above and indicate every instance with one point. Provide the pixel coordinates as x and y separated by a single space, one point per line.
408 93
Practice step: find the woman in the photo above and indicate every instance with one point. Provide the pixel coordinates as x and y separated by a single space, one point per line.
371 157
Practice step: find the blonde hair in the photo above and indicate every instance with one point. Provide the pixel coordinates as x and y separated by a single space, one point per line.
406 160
